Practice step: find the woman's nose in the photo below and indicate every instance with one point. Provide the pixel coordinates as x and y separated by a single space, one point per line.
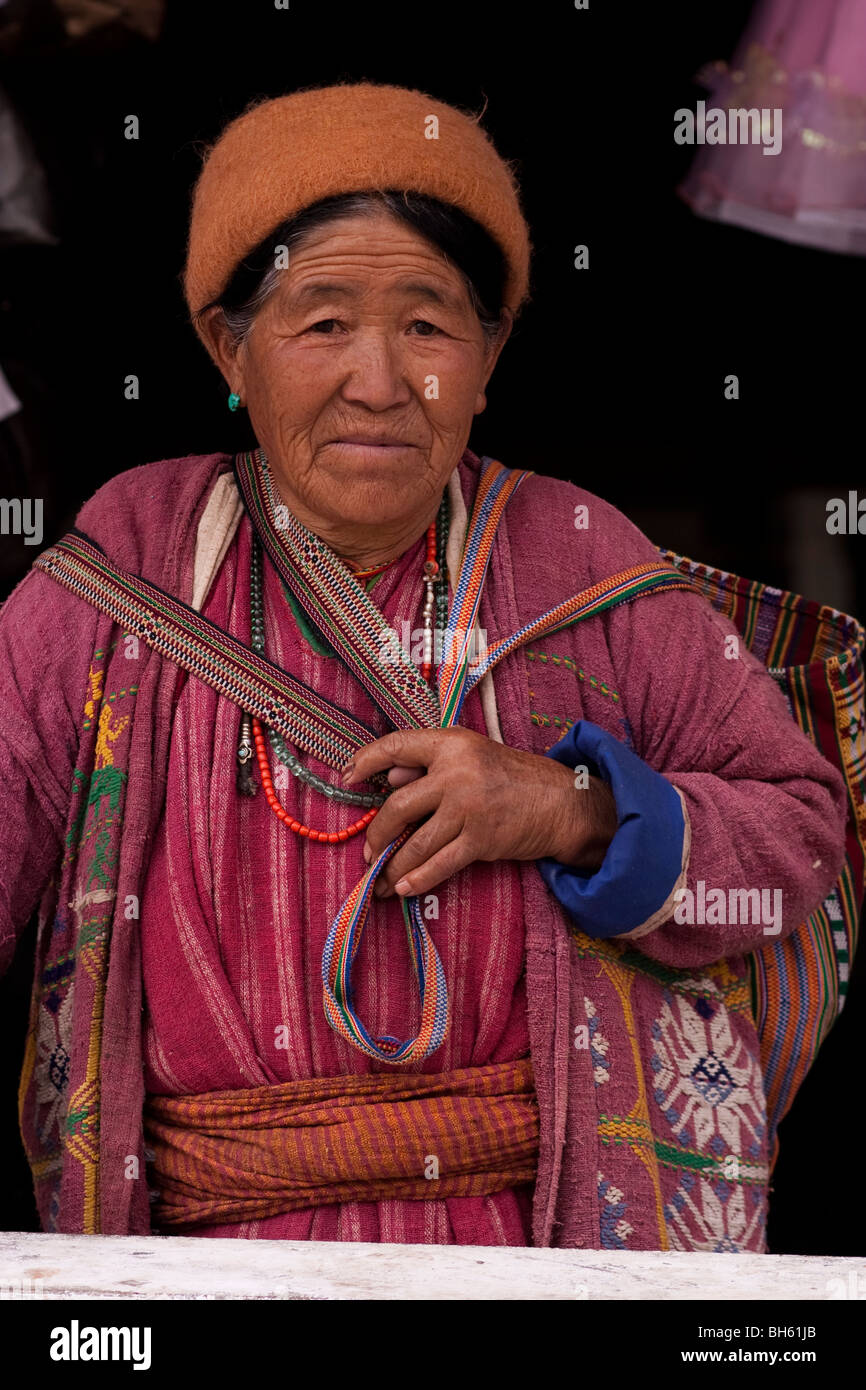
376 372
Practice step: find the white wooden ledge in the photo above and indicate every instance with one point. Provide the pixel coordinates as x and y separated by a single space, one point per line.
167 1267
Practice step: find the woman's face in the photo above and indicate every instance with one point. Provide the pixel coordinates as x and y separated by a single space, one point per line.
370 336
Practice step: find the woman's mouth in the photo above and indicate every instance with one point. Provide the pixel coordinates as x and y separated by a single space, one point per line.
370 450
374 442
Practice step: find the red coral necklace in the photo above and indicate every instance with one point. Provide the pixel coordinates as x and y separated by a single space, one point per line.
431 572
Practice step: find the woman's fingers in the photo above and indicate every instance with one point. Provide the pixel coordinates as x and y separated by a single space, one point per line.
433 869
400 776
403 747
423 845
414 802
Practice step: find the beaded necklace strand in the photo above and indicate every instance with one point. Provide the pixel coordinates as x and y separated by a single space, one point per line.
435 582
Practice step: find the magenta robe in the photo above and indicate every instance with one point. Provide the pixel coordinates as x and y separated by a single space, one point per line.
236 910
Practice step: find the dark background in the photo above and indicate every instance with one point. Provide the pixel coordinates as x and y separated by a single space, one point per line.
613 378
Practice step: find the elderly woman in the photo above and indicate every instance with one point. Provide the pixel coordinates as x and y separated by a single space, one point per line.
532 1043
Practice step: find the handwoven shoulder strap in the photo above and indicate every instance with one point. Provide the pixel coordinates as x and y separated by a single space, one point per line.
203 649
334 600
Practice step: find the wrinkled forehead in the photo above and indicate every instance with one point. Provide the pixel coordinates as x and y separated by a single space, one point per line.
362 256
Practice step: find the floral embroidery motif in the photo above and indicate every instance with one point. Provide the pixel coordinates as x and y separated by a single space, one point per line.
709 1088
706 1079
54 1043
615 1230
598 1045
715 1217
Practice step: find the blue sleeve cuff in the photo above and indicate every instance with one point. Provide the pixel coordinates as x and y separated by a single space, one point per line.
645 858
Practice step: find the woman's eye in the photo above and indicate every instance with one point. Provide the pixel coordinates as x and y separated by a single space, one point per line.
427 329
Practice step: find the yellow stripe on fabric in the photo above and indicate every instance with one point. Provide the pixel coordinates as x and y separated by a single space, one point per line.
622 982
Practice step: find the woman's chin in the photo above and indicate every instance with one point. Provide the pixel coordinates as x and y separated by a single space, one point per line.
370 498
366 508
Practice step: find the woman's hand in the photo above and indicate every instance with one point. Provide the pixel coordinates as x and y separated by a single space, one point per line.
472 799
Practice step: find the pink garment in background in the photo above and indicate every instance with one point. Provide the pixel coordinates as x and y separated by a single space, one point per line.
807 58
236 910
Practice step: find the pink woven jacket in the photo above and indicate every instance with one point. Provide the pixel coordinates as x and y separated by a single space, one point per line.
644 1048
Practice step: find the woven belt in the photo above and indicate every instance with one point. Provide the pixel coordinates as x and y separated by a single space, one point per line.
246 1154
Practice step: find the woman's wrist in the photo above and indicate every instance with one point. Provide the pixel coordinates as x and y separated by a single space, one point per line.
587 826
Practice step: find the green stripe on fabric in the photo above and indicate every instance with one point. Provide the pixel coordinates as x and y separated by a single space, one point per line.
782 639
673 1157
318 645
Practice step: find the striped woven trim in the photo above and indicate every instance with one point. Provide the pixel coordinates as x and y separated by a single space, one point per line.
496 486
780 627
624 587
334 600
815 654
203 649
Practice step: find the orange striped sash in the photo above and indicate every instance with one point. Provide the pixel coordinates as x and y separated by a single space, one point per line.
240 1155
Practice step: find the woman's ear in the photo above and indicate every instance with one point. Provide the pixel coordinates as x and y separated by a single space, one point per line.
221 346
506 323
491 357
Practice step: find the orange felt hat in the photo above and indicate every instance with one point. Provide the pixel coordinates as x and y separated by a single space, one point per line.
284 154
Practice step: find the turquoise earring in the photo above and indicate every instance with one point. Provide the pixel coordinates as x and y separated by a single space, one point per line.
234 401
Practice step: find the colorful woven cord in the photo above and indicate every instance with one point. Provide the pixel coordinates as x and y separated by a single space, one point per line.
496 486
619 588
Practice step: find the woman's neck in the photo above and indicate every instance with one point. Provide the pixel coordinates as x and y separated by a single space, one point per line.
360 546
368 554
